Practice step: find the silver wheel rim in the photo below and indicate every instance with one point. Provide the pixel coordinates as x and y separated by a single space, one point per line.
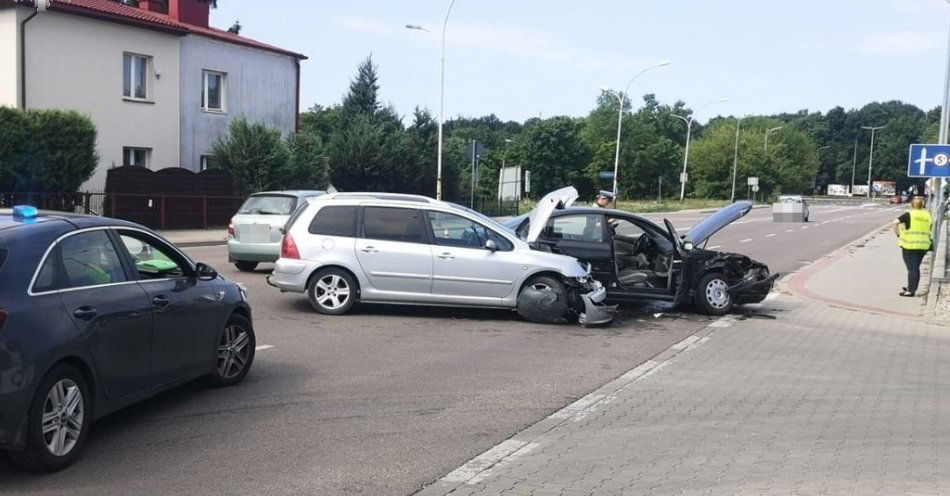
716 293
332 292
63 413
233 351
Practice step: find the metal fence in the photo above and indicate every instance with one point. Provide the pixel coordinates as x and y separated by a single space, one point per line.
157 211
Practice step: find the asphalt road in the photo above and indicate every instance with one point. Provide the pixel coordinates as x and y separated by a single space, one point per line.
389 398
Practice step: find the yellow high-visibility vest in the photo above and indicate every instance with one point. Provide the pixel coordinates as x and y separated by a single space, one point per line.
918 236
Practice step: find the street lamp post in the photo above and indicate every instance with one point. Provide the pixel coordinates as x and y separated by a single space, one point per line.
818 158
871 158
767 132
689 134
854 166
438 180
620 97
735 159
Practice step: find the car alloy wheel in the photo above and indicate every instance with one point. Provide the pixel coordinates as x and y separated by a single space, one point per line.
717 294
234 350
332 292
63 415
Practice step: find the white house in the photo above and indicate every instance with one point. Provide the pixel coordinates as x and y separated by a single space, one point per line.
158 82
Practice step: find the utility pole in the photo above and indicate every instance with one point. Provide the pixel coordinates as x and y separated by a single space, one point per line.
854 165
871 158
659 192
735 161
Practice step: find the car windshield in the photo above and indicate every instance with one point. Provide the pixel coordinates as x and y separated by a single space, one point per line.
484 218
269 205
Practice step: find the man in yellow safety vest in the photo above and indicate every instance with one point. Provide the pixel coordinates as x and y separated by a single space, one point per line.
913 229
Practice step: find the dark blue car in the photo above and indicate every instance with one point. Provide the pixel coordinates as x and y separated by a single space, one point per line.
96 314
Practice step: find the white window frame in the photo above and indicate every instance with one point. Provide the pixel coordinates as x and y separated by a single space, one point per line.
204 162
128 156
223 89
136 59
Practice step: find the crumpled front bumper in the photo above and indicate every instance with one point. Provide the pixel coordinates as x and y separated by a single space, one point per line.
595 312
753 289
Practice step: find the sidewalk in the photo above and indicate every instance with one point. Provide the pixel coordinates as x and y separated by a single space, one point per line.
866 276
196 237
796 397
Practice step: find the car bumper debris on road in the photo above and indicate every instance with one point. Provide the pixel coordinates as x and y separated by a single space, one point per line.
595 311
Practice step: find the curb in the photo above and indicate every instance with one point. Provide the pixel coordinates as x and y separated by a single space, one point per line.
523 442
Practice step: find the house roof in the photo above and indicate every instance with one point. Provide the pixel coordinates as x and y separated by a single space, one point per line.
112 10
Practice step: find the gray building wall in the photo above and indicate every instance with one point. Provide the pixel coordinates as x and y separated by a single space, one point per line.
260 85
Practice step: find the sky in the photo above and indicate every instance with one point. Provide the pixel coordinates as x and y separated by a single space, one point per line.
530 58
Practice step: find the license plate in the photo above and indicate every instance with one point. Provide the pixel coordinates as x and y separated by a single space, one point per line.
255 233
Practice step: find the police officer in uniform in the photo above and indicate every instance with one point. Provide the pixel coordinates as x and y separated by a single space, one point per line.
604 199
913 229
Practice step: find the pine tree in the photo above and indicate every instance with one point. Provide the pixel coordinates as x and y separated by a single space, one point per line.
363 94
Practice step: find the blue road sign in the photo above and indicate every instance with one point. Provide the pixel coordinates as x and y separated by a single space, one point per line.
929 161
606 175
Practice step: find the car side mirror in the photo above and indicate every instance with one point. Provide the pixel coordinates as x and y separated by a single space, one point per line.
491 246
687 246
204 272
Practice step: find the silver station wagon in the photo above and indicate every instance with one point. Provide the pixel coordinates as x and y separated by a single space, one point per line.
255 231
345 248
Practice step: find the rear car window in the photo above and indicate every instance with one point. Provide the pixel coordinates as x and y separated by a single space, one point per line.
269 205
90 259
335 221
393 224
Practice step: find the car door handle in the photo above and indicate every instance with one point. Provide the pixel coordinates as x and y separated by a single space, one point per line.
369 249
446 256
160 301
85 313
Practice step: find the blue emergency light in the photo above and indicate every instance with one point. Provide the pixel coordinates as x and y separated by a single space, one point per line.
25 212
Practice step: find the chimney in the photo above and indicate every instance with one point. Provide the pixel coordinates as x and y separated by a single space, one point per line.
194 12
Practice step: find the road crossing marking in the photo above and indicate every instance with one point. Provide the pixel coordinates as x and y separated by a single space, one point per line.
789 230
264 347
769 235
746 240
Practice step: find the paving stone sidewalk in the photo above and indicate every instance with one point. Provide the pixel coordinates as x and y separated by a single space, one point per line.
810 399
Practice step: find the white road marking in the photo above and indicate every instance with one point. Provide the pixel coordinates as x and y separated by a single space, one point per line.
773 295
715 247
746 240
264 347
770 235
789 230
804 227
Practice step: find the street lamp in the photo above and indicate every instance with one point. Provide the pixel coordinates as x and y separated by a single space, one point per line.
818 172
438 180
689 133
735 158
871 158
767 137
620 97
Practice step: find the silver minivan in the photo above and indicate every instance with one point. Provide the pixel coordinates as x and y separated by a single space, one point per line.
346 248
255 231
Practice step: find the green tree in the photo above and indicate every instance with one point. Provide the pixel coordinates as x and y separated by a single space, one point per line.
363 95
552 149
46 150
255 156
366 155
308 162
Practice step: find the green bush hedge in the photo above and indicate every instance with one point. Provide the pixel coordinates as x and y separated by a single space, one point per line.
45 150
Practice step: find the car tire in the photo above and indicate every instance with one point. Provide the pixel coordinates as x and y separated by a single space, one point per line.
544 300
711 297
234 352
246 266
61 446
332 291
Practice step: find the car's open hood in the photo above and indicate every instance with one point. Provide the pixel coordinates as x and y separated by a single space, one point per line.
562 198
712 224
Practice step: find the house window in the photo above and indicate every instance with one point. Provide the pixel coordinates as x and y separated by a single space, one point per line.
136 156
135 76
206 162
213 91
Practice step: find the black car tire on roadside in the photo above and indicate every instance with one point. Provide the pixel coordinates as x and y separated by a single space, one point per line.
544 300
37 456
232 348
245 266
711 297
341 283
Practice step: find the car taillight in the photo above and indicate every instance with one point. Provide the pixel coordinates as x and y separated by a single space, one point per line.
231 228
288 249
3 318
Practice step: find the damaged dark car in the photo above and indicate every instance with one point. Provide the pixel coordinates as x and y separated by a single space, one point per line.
637 260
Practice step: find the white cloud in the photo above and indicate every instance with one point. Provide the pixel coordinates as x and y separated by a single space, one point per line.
906 43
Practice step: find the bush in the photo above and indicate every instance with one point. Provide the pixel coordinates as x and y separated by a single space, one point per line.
255 156
308 169
46 150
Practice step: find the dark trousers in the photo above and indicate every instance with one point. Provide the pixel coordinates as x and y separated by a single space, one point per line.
912 259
